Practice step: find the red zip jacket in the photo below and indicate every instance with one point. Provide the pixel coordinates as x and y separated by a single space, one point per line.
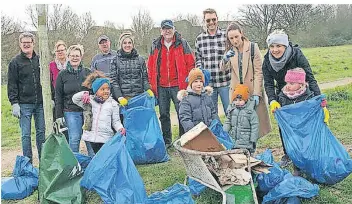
170 68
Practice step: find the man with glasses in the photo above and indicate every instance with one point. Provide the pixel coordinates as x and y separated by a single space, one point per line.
102 60
169 63
210 48
25 93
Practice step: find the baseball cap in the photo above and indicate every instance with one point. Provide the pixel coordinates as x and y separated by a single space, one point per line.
103 37
167 24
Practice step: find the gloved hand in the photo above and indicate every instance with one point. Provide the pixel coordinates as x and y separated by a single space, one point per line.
16 110
60 121
256 100
85 97
123 131
122 101
326 116
150 92
228 54
274 105
323 103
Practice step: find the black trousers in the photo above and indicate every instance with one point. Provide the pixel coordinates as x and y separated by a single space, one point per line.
96 146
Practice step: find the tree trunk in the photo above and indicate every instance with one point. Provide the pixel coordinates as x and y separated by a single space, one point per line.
44 63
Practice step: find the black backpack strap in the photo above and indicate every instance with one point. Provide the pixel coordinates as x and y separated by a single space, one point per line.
252 57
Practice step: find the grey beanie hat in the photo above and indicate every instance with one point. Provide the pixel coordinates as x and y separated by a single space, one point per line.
278 38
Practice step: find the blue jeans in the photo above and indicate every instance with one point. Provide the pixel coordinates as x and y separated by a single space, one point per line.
224 95
165 95
74 122
27 111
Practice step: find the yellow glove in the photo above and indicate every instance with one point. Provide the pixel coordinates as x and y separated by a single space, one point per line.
274 105
150 92
123 101
326 116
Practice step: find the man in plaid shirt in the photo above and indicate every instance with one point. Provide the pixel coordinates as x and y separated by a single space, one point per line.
210 48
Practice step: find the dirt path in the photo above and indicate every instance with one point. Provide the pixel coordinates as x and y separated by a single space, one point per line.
8 157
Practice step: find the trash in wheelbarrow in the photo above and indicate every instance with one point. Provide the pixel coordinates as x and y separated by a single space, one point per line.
200 138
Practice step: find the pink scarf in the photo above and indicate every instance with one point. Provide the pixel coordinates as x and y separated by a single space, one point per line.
294 94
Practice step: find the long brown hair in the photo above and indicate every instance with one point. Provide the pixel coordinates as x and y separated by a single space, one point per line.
91 77
233 26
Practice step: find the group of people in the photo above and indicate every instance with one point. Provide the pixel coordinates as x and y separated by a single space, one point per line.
237 74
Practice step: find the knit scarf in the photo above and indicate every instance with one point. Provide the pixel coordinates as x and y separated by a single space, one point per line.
124 54
294 94
61 66
99 99
278 64
72 70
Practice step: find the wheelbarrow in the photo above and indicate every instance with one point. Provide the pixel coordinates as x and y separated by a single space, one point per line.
197 170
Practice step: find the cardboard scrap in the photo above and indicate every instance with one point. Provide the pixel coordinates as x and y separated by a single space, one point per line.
234 176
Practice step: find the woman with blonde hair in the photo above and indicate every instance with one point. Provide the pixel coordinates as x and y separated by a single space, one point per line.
244 60
69 82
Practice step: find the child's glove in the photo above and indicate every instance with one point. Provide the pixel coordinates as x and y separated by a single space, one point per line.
256 100
150 92
274 105
123 101
123 131
85 97
326 116
228 54
16 110
323 103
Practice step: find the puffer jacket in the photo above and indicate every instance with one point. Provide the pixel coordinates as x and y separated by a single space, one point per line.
196 108
128 75
243 125
105 117
284 100
23 84
297 59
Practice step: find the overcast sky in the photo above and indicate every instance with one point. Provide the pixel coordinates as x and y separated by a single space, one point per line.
120 11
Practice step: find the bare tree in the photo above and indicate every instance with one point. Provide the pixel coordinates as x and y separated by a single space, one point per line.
109 24
142 23
260 20
192 18
31 11
9 25
86 23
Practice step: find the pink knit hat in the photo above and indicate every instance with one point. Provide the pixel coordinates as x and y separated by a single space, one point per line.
297 75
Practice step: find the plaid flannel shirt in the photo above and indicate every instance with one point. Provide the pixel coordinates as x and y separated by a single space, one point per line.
209 53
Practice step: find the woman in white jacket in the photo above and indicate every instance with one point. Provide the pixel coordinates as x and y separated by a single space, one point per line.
105 111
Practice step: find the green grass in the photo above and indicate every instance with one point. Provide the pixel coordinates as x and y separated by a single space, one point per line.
157 177
329 63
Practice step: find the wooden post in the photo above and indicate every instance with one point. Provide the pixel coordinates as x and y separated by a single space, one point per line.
44 66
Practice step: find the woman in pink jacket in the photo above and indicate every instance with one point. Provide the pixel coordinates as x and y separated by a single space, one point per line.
55 67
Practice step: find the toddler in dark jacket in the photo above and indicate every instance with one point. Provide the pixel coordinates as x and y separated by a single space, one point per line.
242 121
196 104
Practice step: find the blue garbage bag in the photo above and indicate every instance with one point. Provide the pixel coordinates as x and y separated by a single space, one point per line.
83 160
268 181
222 136
291 186
310 144
23 182
175 194
113 175
225 139
145 141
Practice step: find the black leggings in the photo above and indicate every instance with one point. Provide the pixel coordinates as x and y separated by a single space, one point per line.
96 146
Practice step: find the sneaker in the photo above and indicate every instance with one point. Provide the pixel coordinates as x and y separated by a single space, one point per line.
285 161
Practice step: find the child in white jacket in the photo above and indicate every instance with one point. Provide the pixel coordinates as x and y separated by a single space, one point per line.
105 112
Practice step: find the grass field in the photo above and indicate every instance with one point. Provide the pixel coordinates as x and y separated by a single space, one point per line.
160 176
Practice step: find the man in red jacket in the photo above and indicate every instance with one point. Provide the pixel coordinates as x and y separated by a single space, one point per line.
169 63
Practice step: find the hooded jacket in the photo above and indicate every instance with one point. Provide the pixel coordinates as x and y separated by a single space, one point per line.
128 74
105 117
196 108
243 125
297 59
